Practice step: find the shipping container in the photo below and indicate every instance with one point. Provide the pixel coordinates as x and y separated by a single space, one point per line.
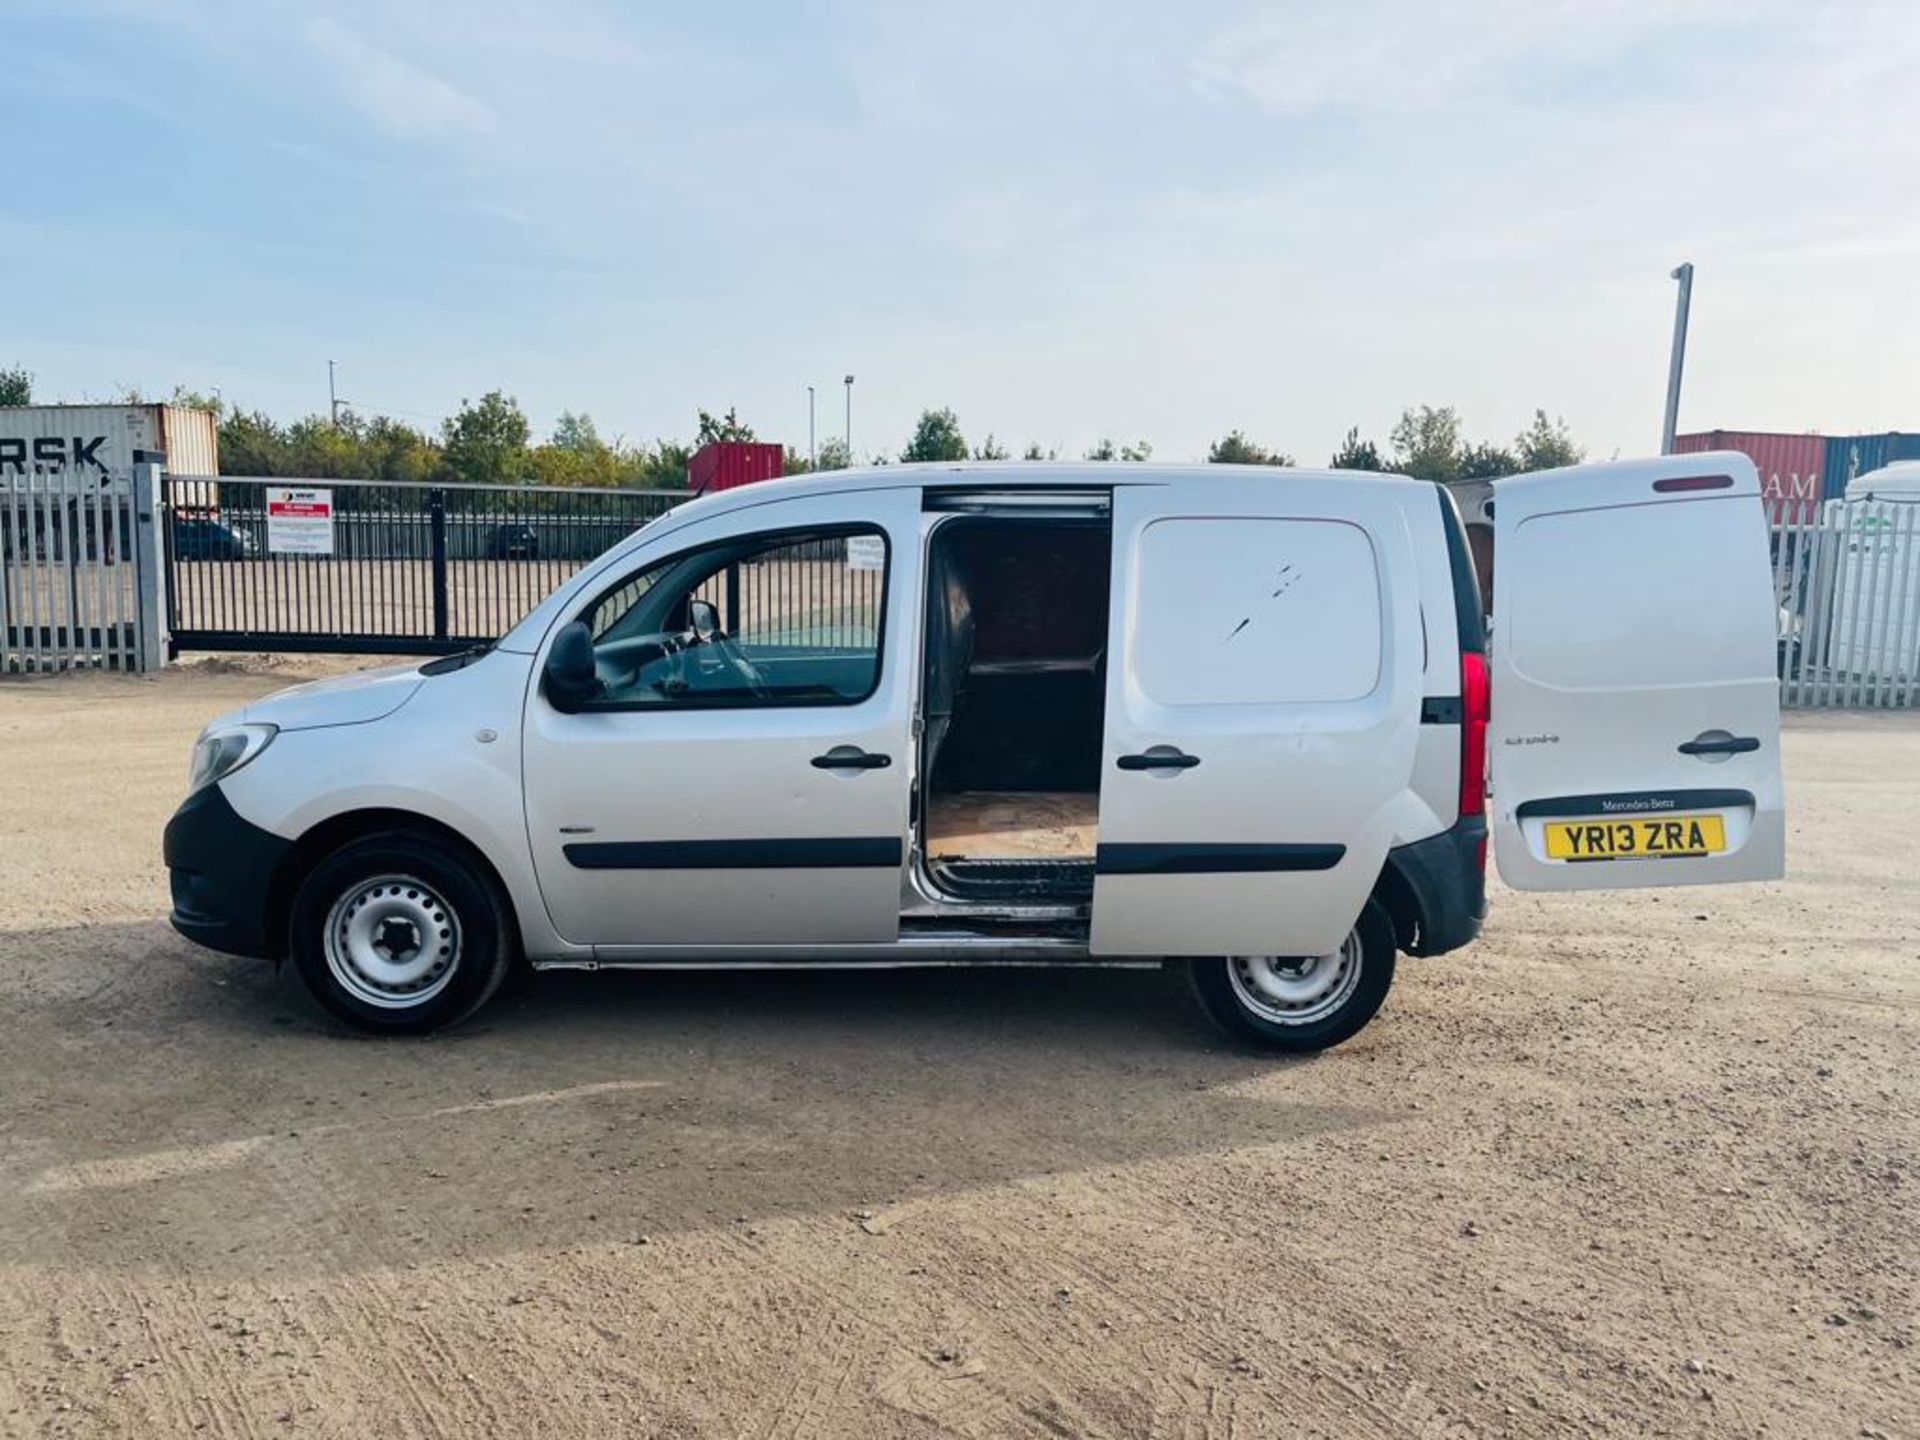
1851 455
102 439
723 464
1792 467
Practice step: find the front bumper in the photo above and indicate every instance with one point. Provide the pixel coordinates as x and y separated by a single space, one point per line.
221 868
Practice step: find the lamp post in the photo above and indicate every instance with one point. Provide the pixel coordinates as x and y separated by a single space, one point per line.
813 459
849 384
1682 303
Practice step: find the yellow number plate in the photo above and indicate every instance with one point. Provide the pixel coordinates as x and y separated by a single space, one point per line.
1651 838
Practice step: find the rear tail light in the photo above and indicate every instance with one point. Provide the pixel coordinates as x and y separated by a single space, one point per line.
1474 701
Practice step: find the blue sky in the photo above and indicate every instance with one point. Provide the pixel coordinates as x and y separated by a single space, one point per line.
1064 220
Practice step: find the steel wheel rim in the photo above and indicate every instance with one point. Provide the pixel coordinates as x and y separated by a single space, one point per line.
1297 990
392 942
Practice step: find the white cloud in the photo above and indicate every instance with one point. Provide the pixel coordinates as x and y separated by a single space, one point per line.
1385 55
401 97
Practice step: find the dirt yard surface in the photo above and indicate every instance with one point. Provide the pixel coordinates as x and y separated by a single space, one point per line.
1636 1164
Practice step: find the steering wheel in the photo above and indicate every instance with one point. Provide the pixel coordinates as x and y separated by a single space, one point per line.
740 664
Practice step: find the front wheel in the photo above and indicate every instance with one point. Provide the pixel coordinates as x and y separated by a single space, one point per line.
400 934
1306 1003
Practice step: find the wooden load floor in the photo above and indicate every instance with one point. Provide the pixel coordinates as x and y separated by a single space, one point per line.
1013 824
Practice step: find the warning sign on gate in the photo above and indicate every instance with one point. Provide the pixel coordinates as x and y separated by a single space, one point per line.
299 521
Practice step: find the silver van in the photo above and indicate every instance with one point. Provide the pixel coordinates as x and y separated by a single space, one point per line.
1235 719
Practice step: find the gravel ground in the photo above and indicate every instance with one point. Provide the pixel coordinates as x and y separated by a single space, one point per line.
1634 1164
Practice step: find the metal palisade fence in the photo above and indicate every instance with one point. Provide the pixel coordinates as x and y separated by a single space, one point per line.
374 567
79 573
406 569
1847 578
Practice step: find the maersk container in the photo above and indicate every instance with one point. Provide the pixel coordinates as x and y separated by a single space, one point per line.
1852 455
723 464
101 440
1792 467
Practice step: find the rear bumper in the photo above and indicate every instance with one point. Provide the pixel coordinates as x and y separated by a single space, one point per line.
221 868
1446 886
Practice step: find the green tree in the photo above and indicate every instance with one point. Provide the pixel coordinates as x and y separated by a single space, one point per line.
1486 462
316 446
990 449
1034 452
1357 454
576 432
662 467
832 454
251 444
557 465
936 437
1426 443
1105 449
1546 445
391 449
16 386
727 427
1233 448
188 399
486 441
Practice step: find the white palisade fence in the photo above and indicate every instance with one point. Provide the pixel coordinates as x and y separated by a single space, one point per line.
1847 578
79 571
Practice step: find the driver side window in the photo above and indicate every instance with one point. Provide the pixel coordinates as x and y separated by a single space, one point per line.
793 618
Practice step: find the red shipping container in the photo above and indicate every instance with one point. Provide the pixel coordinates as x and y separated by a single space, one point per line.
723 464
1789 466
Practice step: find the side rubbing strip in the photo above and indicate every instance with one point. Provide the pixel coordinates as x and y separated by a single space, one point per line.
855 853
1651 802
1205 859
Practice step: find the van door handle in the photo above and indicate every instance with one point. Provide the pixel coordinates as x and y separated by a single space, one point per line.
1160 757
851 757
1719 743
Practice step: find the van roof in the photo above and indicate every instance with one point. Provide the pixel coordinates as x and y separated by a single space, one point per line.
1900 478
1024 475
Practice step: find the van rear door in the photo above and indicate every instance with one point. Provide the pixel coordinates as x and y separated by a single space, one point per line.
1635 732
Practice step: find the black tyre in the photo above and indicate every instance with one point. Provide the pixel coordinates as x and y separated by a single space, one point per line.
401 933
1301 1005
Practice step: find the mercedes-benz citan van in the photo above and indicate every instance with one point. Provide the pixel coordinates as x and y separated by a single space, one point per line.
1233 718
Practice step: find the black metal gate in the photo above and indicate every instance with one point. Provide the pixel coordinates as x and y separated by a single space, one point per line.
388 568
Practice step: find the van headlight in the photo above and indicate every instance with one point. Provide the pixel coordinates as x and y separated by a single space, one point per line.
218 753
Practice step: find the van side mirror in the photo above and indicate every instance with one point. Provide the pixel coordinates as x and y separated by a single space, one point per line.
703 620
571 678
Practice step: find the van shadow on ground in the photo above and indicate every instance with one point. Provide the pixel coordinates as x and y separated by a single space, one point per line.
203 1104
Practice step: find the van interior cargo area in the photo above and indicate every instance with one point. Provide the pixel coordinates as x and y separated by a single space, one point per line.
1015 697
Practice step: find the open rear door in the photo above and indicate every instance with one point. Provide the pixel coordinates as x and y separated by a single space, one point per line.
1635 732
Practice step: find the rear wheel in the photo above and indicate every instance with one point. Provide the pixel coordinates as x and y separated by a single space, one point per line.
1301 1003
400 934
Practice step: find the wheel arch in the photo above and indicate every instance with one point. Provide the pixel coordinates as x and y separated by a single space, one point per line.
1396 895
336 831
1434 890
